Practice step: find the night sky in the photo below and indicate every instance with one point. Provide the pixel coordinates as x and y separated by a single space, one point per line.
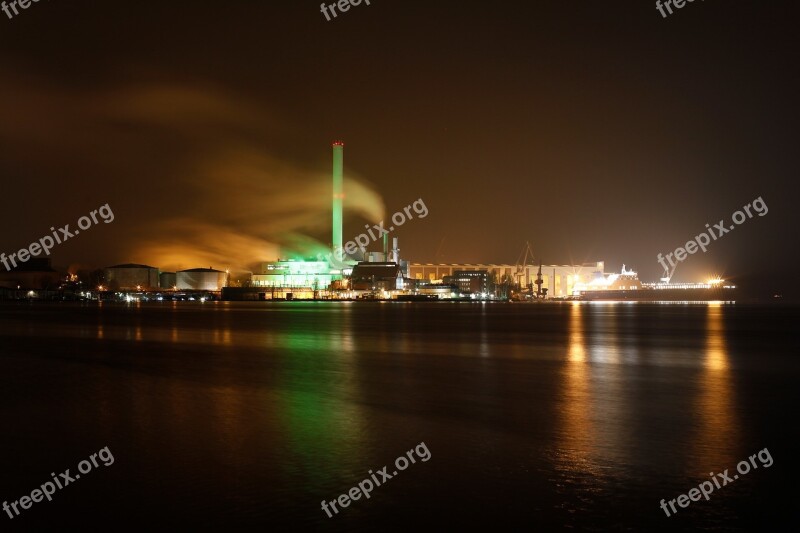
594 130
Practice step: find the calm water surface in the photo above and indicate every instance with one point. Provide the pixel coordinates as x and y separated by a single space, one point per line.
537 417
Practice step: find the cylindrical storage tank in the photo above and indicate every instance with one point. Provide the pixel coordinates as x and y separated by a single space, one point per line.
167 280
201 279
132 277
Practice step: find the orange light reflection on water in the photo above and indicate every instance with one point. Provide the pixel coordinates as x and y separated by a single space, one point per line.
714 444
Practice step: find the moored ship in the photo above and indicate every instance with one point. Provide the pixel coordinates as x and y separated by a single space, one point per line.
626 286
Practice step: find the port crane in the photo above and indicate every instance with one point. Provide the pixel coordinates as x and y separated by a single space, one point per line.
525 259
522 262
668 275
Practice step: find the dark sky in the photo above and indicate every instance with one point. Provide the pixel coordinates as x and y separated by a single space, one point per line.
594 130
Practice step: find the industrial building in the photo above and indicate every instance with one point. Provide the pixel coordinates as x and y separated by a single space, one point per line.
36 274
293 273
559 280
132 277
384 277
201 279
470 281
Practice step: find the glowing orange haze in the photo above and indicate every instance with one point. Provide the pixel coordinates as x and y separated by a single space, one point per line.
185 169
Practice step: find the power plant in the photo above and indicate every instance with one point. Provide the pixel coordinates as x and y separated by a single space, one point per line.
350 271
383 275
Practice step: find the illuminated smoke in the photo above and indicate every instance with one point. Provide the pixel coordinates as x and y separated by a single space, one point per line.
187 170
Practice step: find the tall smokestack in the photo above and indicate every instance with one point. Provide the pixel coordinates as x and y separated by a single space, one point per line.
338 198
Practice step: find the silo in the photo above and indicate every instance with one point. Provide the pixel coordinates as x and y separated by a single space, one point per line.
201 279
132 277
167 280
